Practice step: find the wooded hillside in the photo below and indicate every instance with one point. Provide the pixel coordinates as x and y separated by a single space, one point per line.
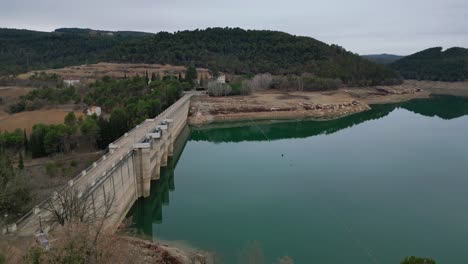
230 50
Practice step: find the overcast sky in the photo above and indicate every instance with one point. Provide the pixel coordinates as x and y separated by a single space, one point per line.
362 26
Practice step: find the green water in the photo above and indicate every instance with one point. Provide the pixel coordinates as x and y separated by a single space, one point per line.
369 188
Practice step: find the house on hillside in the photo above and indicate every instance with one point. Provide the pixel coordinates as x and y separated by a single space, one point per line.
94 110
71 81
221 78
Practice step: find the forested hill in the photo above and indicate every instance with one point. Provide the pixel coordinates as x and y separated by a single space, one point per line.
230 50
383 58
24 50
435 64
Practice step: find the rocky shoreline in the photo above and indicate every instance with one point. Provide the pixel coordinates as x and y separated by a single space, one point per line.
274 105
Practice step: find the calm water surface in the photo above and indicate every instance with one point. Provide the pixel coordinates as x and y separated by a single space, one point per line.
369 188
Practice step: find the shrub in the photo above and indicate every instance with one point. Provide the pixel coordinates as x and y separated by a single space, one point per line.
320 84
52 169
218 89
73 163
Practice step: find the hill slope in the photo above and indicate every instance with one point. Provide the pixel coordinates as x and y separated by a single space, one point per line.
231 50
435 64
382 58
23 50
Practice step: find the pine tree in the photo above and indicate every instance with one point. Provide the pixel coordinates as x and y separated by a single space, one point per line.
21 162
25 142
153 76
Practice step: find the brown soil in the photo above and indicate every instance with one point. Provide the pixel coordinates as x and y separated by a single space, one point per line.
314 105
9 92
26 120
92 72
10 95
164 253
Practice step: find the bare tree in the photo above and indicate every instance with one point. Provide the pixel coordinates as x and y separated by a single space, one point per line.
70 206
218 89
261 81
300 83
246 87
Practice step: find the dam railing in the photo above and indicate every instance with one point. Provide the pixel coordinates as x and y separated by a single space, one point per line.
101 170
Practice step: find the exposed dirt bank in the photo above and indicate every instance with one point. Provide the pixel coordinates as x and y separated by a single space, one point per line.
14 248
313 105
163 253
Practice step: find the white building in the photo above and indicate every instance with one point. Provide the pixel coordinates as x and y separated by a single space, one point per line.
221 78
71 81
94 110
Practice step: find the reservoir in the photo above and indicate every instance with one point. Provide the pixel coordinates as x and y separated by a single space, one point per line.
372 187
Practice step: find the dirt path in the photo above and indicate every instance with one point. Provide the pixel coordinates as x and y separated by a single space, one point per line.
313 105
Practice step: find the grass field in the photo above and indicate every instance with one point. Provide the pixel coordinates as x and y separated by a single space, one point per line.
26 120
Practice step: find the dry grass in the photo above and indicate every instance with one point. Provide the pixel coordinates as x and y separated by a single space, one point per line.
26 120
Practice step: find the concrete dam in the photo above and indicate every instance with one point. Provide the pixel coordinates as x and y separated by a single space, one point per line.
114 182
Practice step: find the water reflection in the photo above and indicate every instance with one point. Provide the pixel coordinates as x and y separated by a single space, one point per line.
443 106
446 107
160 190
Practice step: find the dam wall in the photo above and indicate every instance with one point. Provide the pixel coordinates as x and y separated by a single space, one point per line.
111 185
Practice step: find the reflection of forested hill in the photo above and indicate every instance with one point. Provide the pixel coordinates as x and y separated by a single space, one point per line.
282 130
443 106
446 107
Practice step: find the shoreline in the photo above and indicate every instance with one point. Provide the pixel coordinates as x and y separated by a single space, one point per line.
318 106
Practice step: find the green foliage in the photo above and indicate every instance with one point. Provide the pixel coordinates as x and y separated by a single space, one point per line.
73 163
52 169
231 50
435 65
320 84
12 140
14 191
130 102
382 58
70 119
417 260
24 50
25 141
119 121
240 51
90 128
36 140
191 75
36 99
48 139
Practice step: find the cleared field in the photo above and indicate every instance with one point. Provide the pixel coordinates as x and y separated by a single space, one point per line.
26 120
92 72
14 91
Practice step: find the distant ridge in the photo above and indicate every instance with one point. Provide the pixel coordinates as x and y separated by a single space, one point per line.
435 64
103 32
383 58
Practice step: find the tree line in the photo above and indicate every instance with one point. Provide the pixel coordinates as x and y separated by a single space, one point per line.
129 102
231 50
435 65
